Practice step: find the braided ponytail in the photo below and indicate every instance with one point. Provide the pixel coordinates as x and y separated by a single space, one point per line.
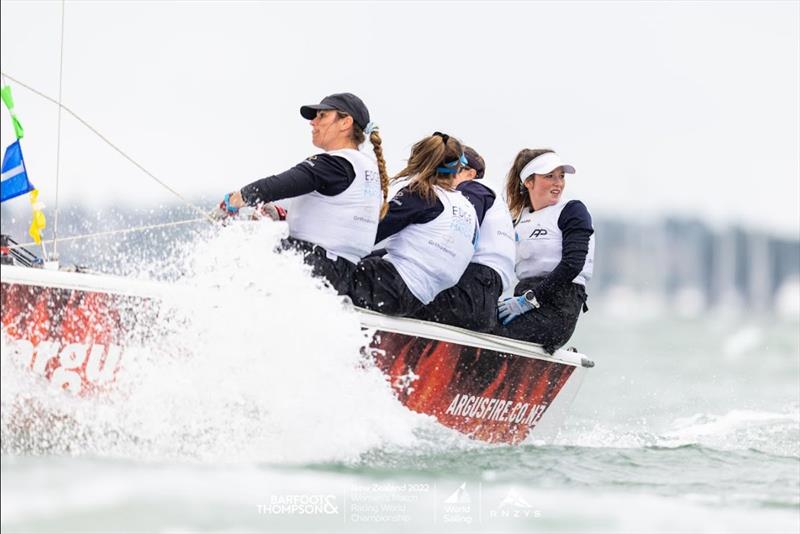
377 147
358 136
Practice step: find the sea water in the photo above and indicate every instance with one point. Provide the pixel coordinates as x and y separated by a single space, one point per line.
251 409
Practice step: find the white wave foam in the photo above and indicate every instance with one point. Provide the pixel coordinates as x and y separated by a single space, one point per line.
738 429
771 432
256 361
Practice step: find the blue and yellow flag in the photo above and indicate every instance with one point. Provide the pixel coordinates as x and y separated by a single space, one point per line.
14 180
38 223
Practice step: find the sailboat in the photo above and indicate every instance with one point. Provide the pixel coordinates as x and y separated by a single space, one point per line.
73 329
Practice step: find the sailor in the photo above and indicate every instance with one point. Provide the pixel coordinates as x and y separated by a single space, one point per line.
555 252
428 234
472 302
338 195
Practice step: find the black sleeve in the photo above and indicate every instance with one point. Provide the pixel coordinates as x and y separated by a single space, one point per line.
481 197
407 207
576 229
327 174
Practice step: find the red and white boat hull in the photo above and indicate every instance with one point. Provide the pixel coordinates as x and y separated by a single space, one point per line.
74 330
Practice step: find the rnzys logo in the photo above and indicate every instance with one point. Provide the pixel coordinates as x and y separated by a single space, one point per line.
514 506
539 232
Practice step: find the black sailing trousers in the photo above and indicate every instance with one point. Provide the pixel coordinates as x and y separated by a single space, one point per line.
376 285
337 272
552 324
470 304
373 283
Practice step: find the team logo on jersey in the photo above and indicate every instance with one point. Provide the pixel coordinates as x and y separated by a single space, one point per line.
539 232
463 222
508 236
372 183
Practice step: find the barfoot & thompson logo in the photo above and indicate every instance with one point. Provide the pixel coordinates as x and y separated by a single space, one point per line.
300 504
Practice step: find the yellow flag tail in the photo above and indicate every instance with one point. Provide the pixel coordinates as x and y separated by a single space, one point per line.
39 222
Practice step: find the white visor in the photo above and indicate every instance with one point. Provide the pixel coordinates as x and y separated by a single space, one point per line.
544 164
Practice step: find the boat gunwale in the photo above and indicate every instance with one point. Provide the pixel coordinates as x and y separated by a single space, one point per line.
10 274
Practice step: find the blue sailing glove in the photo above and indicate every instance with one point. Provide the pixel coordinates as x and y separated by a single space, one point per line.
225 211
231 210
512 307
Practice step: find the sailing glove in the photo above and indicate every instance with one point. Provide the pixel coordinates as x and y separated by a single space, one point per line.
510 308
270 211
230 209
224 211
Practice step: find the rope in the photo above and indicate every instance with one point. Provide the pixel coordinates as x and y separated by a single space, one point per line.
58 143
112 145
112 232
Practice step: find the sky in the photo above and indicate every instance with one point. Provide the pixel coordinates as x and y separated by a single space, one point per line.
689 109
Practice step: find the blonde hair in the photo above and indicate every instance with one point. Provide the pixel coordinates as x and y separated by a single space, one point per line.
358 136
426 155
516 195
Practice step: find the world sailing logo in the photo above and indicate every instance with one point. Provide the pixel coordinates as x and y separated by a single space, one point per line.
459 496
458 507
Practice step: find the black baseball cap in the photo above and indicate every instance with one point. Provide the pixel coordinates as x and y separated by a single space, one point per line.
475 161
345 102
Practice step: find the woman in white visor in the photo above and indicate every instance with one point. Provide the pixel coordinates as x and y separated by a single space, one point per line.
555 252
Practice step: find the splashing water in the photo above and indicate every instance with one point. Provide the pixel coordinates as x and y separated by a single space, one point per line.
252 372
251 359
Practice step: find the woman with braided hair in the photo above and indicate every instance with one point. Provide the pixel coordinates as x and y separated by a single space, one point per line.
339 196
429 232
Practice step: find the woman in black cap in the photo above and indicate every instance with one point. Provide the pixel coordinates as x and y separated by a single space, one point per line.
555 252
339 195
472 302
429 234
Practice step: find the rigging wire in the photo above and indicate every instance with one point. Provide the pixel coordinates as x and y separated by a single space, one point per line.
58 142
163 184
113 232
